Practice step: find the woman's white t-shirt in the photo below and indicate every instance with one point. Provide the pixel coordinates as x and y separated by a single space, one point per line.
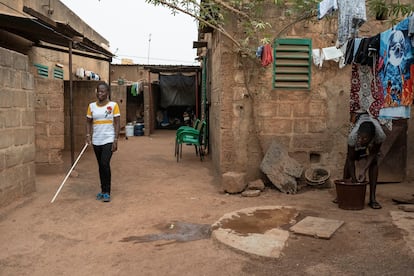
103 122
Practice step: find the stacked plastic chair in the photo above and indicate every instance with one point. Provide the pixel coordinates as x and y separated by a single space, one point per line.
190 136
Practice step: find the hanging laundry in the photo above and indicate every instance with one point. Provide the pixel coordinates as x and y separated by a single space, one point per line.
366 90
397 66
316 57
80 72
331 53
342 60
411 29
362 50
267 56
134 89
399 112
367 51
327 7
352 14
259 52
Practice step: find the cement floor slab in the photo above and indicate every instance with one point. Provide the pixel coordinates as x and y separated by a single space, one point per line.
317 227
256 230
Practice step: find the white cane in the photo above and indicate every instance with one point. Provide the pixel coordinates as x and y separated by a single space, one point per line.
71 169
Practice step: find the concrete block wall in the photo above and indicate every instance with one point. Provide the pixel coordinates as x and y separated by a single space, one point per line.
17 117
49 125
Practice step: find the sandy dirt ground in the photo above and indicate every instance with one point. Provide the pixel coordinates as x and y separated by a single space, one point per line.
134 234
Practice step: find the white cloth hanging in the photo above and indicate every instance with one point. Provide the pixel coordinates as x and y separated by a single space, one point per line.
326 7
352 14
329 53
316 57
411 28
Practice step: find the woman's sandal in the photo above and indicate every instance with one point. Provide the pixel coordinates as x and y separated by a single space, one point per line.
374 205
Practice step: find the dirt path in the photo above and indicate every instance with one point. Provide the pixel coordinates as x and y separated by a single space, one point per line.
153 195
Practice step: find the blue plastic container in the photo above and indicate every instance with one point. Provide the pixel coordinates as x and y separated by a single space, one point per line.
139 129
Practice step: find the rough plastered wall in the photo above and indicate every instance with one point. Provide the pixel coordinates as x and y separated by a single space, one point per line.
247 114
17 117
49 125
216 151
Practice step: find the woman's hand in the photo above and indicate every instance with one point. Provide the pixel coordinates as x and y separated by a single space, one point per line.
361 177
115 145
88 139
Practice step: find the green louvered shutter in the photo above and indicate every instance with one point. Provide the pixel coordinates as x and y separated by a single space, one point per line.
58 73
42 70
292 63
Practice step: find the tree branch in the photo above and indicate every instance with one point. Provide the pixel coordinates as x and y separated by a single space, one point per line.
219 29
236 11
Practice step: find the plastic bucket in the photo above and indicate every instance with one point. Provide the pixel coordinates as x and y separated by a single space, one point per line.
350 196
129 130
139 129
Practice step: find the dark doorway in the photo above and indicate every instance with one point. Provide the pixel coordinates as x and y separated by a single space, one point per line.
135 103
176 100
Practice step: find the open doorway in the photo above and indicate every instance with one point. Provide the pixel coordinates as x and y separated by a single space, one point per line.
175 100
135 103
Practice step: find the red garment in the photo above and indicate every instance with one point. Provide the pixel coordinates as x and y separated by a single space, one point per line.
267 55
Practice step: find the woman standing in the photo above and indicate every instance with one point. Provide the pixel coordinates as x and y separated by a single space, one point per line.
102 131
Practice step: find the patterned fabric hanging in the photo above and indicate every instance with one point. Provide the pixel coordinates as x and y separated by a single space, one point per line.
366 90
397 66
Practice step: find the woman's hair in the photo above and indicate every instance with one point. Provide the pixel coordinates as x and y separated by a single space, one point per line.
367 128
103 84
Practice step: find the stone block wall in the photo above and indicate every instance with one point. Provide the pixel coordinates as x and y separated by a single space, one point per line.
17 118
49 125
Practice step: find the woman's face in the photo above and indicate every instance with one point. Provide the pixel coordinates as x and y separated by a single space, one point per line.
364 139
102 93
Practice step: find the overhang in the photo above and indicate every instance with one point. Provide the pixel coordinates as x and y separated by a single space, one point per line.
52 32
172 68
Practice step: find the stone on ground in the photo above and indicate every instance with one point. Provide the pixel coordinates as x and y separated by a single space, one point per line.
256 185
234 182
281 169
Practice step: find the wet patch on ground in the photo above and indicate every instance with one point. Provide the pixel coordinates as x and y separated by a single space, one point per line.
256 230
259 221
176 231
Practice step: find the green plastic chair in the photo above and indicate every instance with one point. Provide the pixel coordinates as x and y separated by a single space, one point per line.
191 137
182 128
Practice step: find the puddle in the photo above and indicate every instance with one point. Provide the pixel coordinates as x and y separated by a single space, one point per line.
175 231
259 221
